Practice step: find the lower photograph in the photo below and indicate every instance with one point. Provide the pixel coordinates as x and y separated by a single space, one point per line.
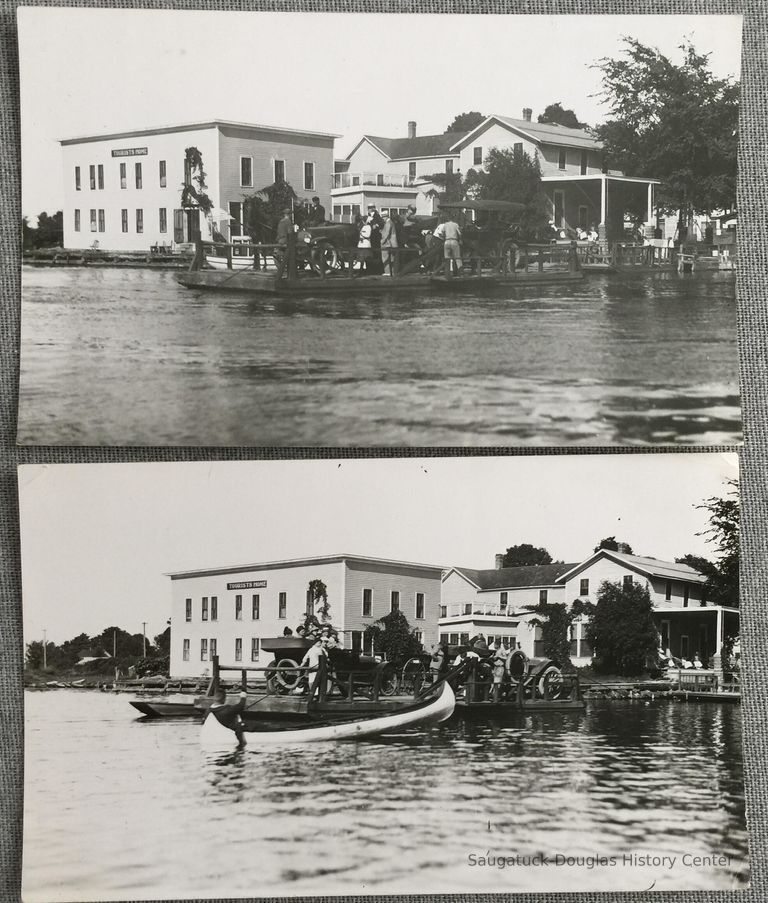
382 676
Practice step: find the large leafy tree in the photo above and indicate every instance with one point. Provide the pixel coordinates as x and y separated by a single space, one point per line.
393 637
525 554
465 122
621 629
264 209
555 620
673 122
555 113
511 175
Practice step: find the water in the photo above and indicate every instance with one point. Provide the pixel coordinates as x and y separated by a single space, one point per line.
130 357
120 808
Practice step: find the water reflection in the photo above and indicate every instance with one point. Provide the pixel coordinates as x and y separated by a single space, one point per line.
128 356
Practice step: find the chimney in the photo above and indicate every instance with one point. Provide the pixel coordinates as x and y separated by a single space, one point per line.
499 561
527 113
411 129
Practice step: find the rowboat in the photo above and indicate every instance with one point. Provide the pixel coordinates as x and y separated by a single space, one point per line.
435 705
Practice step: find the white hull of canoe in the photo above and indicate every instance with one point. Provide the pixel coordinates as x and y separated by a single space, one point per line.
238 263
215 736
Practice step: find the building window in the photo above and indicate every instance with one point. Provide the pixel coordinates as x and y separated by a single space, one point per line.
584 162
449 166
685 646
178 225
443 611
584 586
517 149
77 178
503 599
214 608
163 219
235 224
583 216
467 608
139 220
238 649
124 220
628 581
412 170
246 172
214 648
255 605
163 177
477 156
138 175
309 176
101 175
92 177
443 639
394 600
367 602
282 606
453 639
238 608
77 220
279 168
101 221
203 650
204 608
686 595
561 159
93 220
357 640
185 650
419 606
543 593
187 609
123 176
668 593
254 649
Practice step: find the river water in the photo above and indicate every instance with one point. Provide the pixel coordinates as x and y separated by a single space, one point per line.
129 357
121 808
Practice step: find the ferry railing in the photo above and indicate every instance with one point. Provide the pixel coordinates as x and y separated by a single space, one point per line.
479 687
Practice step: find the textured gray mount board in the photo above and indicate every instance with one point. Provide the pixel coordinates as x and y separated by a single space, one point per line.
753 327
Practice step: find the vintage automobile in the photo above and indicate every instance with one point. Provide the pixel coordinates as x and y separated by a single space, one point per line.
490 231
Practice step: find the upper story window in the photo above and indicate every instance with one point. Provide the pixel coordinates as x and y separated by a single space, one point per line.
77 179
449 166
279 167
668 593
138 175
477 156
123 175
584 586
282 606
443 611
309 176
255 607
238 608
561 159
394 600
584 162
517 147
628 581
163 174
420 605
92 177
246 172
503 598
214 608
686 595
412 170
101 175
543 595
367 602
188 609
204 608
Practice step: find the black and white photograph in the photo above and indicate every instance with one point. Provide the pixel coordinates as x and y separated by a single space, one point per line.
340 678
346 229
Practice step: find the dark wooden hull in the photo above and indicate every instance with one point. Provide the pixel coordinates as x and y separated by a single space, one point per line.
161 709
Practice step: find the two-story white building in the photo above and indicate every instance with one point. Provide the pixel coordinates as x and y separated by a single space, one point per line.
498 602
227 611
122 191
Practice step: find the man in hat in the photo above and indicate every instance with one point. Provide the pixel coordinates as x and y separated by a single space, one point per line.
316 213
229 715
284 230
388 240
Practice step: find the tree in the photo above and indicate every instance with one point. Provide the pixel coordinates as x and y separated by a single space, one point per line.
677 123
524 555
555 622
393 637
555 114
263 210
465 122
511 175
163 641
318 592
621 629
614 545
48 234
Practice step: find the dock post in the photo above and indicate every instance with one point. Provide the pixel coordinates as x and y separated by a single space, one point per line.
215 681
322 678
244 680
229 256
573 258
291 261
376 684
519 700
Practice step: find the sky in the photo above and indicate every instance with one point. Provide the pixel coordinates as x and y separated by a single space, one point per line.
348 74
97 539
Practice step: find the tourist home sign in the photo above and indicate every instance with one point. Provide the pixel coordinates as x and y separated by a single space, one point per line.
130 152
248 584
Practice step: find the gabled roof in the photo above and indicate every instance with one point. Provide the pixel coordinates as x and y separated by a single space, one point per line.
409 148
515 578
539 132
650 567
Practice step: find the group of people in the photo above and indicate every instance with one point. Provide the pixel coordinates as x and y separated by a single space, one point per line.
498 656
667 660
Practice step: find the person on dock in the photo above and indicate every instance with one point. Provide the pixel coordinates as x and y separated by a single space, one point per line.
284 230
311 661
388 240
364 247
437 661
451 246
316 213
499 665
230 715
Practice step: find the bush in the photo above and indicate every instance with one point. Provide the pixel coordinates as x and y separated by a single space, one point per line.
622 630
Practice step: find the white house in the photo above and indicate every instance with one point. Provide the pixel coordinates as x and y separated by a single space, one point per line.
122 191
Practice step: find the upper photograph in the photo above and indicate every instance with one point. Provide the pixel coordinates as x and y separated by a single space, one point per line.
300 229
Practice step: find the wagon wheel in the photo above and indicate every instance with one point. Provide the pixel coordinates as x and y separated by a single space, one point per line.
282 682
389 681
413 674
324 258
550 683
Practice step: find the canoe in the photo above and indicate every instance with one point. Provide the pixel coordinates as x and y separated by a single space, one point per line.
221 263
437 705
162 709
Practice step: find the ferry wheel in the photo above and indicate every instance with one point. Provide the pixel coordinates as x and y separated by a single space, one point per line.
551 682
324 258
389 682
287 680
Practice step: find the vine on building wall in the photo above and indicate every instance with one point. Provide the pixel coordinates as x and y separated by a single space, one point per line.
194 187
555 622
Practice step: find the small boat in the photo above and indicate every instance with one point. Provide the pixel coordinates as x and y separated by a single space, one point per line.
239 262
161 709
436 705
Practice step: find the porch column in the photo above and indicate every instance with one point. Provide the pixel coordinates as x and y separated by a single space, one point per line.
602 229
717 658
719 630
651 220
